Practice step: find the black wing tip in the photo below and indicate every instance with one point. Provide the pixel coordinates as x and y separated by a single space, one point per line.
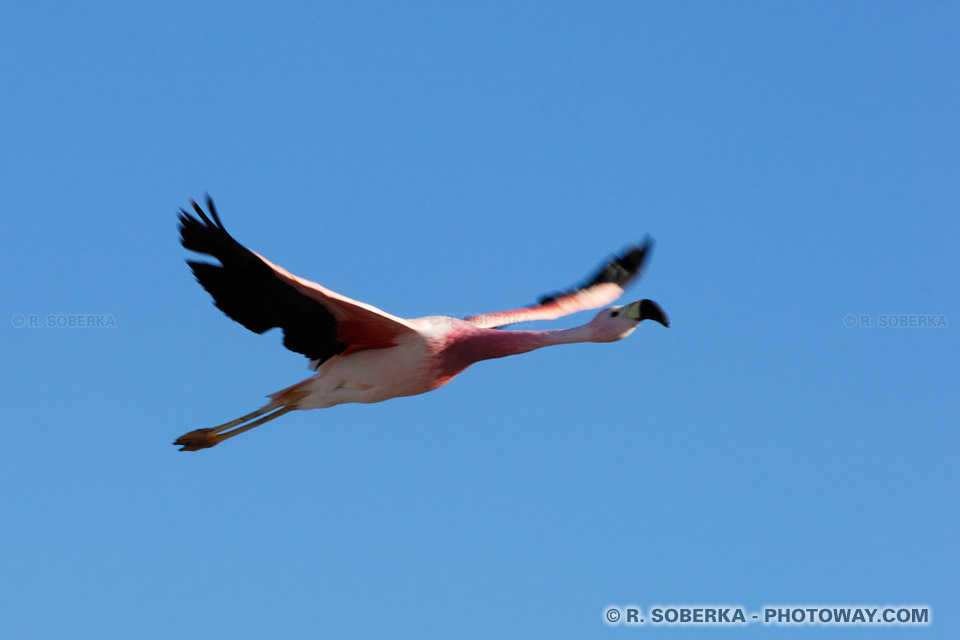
620 270
642 250
201 214
213 211
623 268
216 223
203 231
633 259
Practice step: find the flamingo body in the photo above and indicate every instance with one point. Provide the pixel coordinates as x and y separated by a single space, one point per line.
408 368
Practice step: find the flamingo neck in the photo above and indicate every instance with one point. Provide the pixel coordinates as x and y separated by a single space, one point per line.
487 344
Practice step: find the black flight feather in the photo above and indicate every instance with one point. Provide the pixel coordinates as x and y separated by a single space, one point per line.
621 271
246 289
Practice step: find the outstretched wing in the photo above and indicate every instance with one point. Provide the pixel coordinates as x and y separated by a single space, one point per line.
260 295
601 289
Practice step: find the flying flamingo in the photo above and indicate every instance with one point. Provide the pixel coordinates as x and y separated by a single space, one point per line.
363 354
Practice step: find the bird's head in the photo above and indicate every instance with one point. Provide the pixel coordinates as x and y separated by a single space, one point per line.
616 323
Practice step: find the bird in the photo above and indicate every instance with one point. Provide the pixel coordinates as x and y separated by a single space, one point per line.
361 354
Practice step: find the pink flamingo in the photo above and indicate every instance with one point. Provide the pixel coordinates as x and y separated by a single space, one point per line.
368 355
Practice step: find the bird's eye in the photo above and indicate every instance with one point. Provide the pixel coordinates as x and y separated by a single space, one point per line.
613 314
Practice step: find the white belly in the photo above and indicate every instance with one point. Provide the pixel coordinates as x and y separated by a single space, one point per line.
370 376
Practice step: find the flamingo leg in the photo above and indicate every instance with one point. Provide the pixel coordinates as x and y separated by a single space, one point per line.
250 416
256 423
206 438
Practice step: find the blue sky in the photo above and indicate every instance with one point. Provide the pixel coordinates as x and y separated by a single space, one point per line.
796 163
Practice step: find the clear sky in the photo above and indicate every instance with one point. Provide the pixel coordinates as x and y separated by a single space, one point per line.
796 162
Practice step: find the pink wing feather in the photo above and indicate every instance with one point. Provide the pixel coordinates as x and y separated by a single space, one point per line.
600 290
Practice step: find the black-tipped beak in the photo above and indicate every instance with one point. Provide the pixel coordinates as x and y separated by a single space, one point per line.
650 310
645 310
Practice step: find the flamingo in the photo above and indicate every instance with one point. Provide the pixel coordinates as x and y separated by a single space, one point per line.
362 354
